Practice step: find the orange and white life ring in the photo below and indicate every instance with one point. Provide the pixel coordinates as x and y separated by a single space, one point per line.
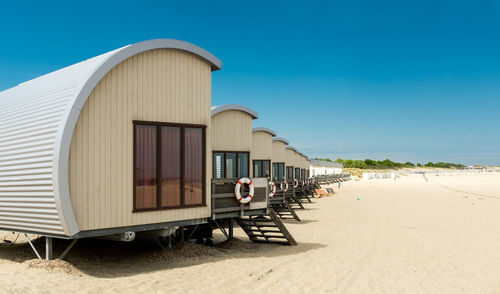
237 191
286 186
295 183
273 189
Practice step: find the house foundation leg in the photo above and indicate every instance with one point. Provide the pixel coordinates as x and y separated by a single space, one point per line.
182 234
230 228
48 248
32 246
66 251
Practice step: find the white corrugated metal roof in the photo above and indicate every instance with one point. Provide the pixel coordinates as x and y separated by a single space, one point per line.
281 140
227 107
273 133
37 120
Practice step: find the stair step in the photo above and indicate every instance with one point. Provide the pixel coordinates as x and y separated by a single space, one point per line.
260 223
254 227
268 237
262 231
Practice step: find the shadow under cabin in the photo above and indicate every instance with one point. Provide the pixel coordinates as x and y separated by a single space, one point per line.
236 196
113 146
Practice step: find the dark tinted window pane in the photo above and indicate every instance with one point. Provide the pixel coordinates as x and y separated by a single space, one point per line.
289 172
265 168
303 173
193 166
218 165
145 167
281 171
257 168
231 165
275 171
170 166
297 173
243 165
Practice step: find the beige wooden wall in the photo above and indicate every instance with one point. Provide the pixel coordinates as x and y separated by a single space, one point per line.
291 158
298 160
279 151
164 85
303 161
232 131
262 145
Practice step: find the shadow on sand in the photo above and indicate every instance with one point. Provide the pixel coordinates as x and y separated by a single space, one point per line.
110 259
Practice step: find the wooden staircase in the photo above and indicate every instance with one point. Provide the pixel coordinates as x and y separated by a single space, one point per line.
295 202
266 229
285 211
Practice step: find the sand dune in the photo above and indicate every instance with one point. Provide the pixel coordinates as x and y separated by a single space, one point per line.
404 236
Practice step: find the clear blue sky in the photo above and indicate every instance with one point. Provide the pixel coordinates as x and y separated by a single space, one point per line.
354 79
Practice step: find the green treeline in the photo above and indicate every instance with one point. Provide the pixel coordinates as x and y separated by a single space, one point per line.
388 164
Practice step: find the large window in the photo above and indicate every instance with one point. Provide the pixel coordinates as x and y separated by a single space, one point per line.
169 166
289 172
297 172
278 171
261 168
303 173
227 164
146 171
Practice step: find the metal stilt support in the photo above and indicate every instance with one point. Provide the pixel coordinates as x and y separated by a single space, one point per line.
32 247
192 233
66 251
182 234
222 229
230 228
158 241
48 248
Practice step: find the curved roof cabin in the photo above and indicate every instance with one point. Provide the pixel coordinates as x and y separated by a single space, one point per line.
291 162
95 148
300 167
232 140
262 151
279 159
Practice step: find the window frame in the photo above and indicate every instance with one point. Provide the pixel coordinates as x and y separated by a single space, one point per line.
182 126
237 162
262 161
277 176
287 168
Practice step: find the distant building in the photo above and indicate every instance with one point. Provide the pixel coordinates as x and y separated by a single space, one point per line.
476 167
322 167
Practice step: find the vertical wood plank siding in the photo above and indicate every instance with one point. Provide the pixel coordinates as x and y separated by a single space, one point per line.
299 159
232 131
262 145
163 85
279 151
291 158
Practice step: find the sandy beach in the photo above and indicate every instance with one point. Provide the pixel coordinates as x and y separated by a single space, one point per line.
438 234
